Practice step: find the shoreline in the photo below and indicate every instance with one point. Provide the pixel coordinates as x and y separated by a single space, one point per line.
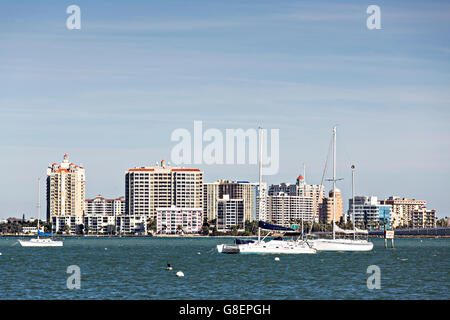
202 236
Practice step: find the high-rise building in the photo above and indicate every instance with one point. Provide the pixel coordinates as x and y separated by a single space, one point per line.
301 188
242 190
230 213
284 209
326 210
65 189
315 191
210 197
402 209
104 207
149 188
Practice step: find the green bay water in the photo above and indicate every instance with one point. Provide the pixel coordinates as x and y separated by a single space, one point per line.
135 268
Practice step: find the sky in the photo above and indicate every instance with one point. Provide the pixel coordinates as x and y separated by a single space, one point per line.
111 94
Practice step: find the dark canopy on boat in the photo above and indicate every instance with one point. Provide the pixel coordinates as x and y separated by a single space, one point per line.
268 226
240 241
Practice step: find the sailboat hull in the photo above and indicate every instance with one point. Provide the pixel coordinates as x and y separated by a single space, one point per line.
271 247
341 245
40 243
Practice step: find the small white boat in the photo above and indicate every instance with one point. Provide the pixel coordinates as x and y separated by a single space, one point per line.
40 242
275 246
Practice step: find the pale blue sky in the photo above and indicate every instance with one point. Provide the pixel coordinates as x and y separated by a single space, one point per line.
111 93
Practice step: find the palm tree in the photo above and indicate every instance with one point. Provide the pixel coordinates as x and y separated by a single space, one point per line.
67 228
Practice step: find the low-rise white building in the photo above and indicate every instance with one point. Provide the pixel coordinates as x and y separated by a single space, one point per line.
178 220
74 223
99 224
132 224
32 230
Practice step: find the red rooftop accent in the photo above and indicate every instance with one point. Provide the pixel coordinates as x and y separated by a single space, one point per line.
300 177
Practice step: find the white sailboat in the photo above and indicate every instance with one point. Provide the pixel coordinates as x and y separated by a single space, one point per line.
274 246
260 246
341 244
40 242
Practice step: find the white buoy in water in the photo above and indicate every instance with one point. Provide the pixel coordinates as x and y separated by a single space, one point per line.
180 274
198 253
277 259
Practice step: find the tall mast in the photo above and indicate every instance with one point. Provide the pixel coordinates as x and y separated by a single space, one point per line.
304 194
260 162
260 179
353 202
334 178
39 205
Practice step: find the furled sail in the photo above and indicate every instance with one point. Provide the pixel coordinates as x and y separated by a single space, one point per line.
361 231
340 230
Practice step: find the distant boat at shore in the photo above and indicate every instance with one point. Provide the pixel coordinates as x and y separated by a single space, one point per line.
40 242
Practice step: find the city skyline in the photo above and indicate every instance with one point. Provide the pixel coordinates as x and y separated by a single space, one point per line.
111 94
164 167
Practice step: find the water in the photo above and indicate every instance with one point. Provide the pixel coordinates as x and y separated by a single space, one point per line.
134 268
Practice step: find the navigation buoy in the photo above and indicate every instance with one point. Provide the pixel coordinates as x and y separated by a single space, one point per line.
180 274
277 259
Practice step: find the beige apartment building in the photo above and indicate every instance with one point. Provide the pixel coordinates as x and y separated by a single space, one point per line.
402 209
162 186
210 199
326 211
315 191
65 189
423 218
242 190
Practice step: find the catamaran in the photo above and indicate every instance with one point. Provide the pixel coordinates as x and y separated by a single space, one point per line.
341 244
274 246
40 242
